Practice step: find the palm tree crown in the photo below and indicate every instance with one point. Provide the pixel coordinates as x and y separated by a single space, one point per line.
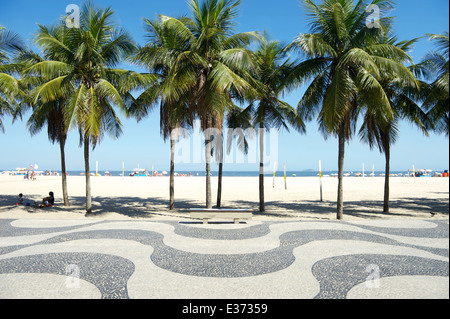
436 95
10 90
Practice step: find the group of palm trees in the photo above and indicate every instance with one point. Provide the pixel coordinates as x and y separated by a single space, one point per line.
197 67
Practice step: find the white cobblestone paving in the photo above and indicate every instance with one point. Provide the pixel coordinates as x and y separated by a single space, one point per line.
254 260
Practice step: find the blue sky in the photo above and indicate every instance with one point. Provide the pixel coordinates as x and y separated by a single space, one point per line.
141 143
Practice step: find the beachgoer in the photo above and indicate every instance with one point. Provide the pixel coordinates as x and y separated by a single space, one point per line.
48 201
20 199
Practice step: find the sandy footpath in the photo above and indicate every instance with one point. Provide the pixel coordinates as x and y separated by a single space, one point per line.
147 197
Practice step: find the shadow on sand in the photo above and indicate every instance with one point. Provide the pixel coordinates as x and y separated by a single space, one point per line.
136 207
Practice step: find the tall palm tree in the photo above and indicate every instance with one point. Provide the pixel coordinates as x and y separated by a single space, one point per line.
84 73
238 120
10 90
341 63
175 121
436 95
51 113
158 56
402 89
214 63
273 73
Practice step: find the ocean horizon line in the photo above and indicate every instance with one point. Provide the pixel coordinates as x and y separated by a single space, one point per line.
293 173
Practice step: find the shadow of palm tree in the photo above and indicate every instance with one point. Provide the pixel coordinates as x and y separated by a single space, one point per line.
137 207
405 207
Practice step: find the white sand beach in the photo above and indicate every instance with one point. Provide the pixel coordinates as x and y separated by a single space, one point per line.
148 197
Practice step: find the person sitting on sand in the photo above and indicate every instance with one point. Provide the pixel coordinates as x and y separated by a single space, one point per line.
48 201
20 199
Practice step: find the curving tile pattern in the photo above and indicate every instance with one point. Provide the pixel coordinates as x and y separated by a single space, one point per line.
146 259
349 271
108 273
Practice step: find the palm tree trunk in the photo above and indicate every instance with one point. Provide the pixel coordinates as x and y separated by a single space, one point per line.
62 144
387 154
261 167
208 167
340 195
172 174
219 186
219 178
88 175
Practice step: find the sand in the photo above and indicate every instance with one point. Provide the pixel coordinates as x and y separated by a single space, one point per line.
148 197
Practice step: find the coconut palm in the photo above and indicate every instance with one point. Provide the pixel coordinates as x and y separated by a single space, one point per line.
175 122
83 72
238 121
215 62
50 114
158 56
341 63
436 95
10 90
402 89
269 111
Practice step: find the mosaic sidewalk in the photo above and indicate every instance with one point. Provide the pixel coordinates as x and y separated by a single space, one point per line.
253 260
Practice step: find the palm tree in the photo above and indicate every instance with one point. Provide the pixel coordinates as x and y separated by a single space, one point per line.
238 120
10 90
51 113
273 75
175 121
436 95
402 89
341 63
214 63
158 56
84 73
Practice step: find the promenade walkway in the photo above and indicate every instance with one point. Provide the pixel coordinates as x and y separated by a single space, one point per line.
92 258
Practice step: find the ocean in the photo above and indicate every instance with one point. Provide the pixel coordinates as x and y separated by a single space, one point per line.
251 173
